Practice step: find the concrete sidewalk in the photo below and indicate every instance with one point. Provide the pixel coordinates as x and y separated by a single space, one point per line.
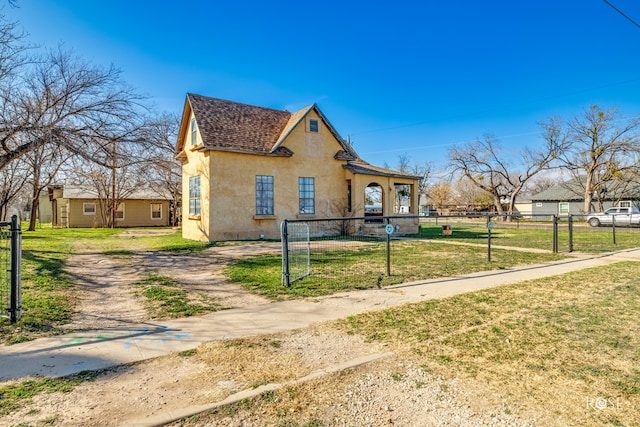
69 354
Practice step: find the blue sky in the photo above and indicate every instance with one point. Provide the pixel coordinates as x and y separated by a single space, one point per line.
405 77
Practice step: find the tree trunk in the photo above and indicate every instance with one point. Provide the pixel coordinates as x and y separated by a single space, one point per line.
498 205
512 208
588 194
35 204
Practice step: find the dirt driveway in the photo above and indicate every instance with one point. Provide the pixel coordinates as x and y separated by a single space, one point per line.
104 282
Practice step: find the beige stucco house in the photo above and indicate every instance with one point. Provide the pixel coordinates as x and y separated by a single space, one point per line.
76 206
247 168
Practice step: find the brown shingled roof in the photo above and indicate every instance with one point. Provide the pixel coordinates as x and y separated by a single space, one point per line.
232 125
228 125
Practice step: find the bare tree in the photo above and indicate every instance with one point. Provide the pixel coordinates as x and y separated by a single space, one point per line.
484 164
64 101
423 170
602 150
404 162
467 193
420 169
12 182
108 188
13 49
44 163
542 183
162 167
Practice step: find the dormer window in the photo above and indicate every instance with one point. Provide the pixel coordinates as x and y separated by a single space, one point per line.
313 125
194 132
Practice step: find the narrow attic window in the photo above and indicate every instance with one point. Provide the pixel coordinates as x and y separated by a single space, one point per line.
313 125
194 131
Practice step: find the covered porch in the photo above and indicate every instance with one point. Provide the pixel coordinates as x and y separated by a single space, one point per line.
376 192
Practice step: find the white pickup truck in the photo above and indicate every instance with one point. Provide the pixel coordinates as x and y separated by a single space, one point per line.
622 216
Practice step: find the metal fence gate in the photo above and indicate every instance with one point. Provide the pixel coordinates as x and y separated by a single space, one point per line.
296 262
10 269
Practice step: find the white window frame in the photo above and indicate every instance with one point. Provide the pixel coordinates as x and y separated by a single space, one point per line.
194 132
194 195
625 204
120 208
152 211
562 211
87 212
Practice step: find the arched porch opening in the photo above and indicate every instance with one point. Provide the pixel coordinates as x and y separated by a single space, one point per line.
373 202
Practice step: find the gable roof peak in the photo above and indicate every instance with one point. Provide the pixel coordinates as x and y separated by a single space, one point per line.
234 126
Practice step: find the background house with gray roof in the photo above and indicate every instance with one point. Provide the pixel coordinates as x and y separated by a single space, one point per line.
568 198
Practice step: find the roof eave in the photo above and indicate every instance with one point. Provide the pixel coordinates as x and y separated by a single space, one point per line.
366 171
277 153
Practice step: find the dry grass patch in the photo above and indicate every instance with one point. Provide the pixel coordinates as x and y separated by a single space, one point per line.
249 362
566 347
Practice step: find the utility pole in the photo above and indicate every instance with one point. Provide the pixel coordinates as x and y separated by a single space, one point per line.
113 183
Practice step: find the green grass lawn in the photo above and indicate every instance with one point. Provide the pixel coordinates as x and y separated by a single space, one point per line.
364 267
539 236
165 299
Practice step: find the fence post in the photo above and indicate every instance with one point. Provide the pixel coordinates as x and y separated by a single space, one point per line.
570 223
15 304
388 250
613 227
555 234
284 234
489 228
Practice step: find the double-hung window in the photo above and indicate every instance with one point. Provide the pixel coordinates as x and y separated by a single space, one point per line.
120 212
156 210
307 195
194 195
563 208
264 195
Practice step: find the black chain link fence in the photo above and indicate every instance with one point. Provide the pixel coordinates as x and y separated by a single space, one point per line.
371 248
